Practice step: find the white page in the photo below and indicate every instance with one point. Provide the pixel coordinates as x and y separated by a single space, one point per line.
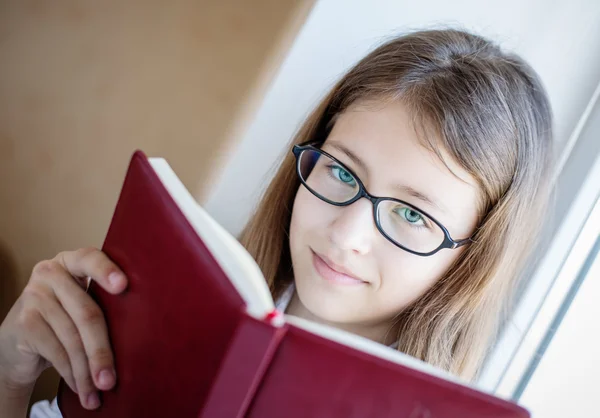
233 258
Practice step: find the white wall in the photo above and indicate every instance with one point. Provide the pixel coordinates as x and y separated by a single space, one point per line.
566 383
561 39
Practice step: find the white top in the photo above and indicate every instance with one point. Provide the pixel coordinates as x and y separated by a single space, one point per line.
45 409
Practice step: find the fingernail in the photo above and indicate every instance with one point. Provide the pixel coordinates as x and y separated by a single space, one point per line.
115 278
105 377
92 400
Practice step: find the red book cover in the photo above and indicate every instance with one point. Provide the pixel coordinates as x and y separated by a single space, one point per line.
194 334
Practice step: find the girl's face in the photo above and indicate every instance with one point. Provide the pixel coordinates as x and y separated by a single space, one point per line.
382 149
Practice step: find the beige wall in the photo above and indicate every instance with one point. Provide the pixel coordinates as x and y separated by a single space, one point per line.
84 83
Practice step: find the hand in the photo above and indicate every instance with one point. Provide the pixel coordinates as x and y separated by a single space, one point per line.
54 322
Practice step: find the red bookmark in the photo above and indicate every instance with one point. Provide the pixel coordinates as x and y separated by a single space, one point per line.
273 315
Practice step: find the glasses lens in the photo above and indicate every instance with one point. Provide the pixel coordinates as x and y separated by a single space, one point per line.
408 227
326 177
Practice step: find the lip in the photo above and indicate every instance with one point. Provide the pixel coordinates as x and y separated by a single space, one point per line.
334 273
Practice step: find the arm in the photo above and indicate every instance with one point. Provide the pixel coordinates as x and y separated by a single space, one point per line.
13 400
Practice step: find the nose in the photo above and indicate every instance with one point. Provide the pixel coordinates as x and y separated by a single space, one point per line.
354 228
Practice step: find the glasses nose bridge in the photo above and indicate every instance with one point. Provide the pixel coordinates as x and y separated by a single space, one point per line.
364 193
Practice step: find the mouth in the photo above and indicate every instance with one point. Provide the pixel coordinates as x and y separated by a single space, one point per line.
333 273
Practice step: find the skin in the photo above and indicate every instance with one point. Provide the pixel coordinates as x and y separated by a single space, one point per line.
55 323
347 238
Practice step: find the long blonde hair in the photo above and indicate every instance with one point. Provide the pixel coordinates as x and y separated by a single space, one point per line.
489 112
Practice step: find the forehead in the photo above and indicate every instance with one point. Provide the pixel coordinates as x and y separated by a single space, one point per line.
382 135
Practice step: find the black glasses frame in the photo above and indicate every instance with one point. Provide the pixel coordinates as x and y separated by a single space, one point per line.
448 242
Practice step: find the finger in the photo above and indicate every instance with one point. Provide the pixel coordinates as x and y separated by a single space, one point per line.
91 327
69 336
91 262
44 341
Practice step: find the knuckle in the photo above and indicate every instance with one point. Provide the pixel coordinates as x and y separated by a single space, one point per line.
73 339
28 320
44 268
102 356
34 294
85 252
61 359
91 313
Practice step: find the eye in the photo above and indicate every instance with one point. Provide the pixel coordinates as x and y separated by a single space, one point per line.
409 215
342 175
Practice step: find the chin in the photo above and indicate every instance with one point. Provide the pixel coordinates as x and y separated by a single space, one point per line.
333 311
326 303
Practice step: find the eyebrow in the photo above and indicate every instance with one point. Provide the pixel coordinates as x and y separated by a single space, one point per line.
401 187
420 196
355 158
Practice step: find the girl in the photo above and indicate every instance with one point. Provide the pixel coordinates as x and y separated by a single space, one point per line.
403 213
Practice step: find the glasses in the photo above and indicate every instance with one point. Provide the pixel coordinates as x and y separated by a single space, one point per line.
403 224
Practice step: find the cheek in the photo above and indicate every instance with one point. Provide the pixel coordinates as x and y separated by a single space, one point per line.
406 277
304 222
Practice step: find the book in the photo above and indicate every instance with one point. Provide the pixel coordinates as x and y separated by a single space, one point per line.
196 333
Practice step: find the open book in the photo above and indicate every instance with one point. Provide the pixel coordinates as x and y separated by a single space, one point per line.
196 333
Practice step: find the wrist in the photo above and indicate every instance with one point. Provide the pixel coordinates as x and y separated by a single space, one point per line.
14 398
14 390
